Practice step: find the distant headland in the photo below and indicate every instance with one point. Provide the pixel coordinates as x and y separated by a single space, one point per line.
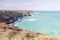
10 16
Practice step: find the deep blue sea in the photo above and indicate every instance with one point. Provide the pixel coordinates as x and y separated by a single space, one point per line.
47 22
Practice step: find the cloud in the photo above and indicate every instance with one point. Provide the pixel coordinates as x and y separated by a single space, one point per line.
29 4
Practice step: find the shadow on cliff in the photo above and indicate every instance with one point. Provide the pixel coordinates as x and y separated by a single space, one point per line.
9 17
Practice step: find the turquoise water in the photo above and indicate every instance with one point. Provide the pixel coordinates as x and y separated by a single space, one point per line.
44 22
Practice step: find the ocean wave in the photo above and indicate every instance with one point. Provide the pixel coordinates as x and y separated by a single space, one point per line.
32 19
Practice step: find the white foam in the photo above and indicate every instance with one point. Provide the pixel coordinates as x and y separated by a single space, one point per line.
55 32
32 19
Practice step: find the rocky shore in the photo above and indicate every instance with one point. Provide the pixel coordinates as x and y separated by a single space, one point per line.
10 32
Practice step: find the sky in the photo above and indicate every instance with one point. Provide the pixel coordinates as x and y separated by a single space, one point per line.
30 5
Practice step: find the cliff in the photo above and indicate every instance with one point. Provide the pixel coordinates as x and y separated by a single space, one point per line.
9 32
10 16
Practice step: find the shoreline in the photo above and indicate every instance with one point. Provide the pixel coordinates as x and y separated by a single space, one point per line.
10 32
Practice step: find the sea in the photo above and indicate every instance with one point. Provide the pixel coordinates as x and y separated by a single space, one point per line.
46 22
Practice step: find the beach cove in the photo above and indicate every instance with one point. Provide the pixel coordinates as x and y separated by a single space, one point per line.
23 32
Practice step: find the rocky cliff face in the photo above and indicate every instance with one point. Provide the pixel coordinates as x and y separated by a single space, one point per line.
10 16
9 32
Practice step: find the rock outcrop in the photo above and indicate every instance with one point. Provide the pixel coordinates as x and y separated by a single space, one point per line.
9 32
10 16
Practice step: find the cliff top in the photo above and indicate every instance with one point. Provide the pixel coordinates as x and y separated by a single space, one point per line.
15 10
